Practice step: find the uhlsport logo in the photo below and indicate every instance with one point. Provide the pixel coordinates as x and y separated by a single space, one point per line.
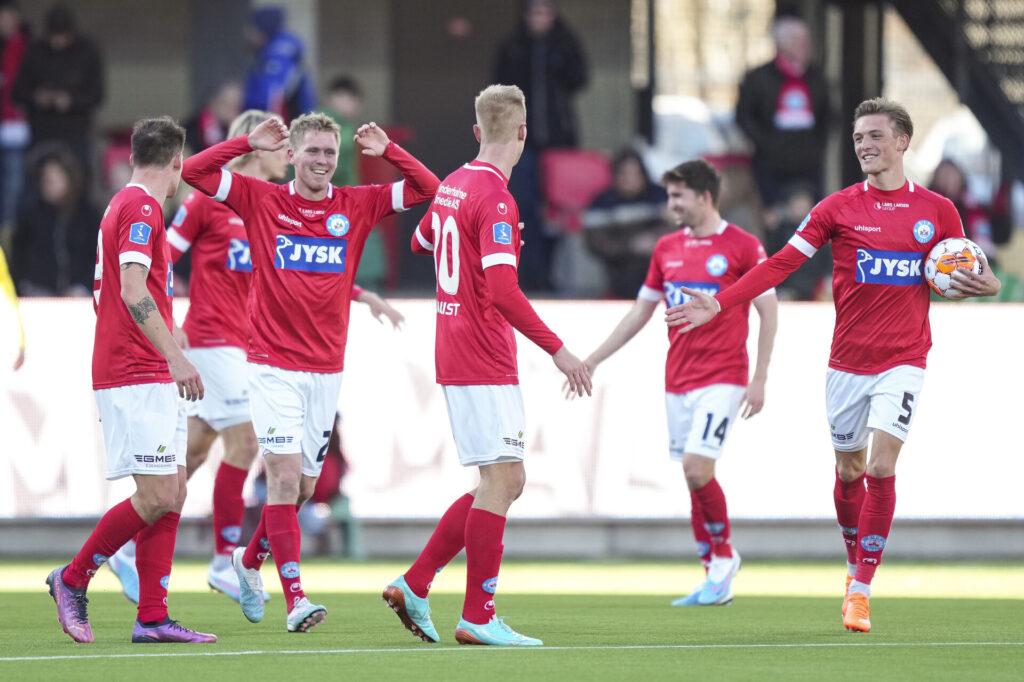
873 543
901 268
290 570
717 265
337 224
490 586
239 258
674 294
310 254
924 231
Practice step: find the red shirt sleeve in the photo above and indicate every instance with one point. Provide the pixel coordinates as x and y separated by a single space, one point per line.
423 237
762 277
185 226
205 170
510 301
419 183
357 291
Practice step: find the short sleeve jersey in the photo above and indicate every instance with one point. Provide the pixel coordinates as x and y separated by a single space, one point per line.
221 271
879 241
131 231
472 224
304 257
717 352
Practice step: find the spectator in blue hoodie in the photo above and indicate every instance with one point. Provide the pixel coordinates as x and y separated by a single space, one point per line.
277 80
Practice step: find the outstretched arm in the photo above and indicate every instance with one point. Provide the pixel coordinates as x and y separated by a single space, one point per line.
767 308
378 306
419 184
205 170
626 329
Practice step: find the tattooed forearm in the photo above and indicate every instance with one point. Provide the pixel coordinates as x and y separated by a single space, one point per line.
141 310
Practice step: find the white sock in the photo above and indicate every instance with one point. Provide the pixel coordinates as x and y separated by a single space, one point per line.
851 569
220 562
860 588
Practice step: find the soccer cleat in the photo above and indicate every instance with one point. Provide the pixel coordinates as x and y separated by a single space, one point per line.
250 587
690 599
412 610
123 567
168 632
71 606
846 595
494 633
305 616
717 589
858 612
225 581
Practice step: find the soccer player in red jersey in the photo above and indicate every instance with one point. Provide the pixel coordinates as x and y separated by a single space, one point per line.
705 372
880 230
472 229
139 374
305 241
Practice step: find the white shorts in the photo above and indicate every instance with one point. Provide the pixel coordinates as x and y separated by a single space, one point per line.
859 403
294 412
144 429
699 421
488 423
225 377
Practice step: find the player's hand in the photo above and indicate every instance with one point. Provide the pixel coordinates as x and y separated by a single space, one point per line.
575 371
186 376
180 337
969 283
20 360
372 139
753 399
700 309
569 392
270 135
379 307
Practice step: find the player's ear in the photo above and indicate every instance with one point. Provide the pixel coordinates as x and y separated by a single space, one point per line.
476 132
131 160
902 142
179 161
522 132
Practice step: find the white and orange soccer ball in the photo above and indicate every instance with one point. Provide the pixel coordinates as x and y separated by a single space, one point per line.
947 256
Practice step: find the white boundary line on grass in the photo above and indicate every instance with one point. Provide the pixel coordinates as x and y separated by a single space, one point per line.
295 652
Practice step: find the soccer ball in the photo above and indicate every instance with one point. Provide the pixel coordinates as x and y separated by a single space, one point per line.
947 256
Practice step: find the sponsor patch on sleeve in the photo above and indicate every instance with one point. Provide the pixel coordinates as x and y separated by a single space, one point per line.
502 233
139 233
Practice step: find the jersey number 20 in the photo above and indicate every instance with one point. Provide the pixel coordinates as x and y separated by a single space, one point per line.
447 279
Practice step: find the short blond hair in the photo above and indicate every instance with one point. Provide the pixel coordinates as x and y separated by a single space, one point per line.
500 110
311 123
896 112
244 124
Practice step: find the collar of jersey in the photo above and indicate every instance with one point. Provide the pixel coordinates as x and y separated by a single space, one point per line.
908 186
721 228
484 166
292 190
142 187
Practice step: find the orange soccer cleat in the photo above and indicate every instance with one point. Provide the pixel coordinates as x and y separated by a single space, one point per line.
846 594
858 610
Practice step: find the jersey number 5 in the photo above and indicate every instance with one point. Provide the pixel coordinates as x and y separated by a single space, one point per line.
447 279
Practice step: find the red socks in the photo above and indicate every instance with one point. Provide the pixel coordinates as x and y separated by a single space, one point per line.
875 522
483 534
716 517
849 499
258 549
153 554
447 540
700 533
228 507
286 544
118 526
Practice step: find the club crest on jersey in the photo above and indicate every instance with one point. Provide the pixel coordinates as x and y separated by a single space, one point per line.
337 224
902 268
310 254
924 231
239 258
502 233
179 216
717 265
674 294
139 233
502 208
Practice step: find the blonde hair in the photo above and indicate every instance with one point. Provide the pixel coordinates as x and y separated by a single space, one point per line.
500 110
244 124
896 112
311 123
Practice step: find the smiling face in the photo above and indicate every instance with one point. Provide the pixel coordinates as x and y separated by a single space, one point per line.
685 205
878 146
315 159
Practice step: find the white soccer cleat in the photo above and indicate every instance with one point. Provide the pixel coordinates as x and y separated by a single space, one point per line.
250 587
718 588
305 616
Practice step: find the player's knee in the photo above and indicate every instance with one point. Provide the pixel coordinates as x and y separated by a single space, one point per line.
849 469
515 484
881 469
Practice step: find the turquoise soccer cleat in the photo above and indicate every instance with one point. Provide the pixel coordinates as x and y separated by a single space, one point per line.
412 610
718 587
494 633
123 566
690 599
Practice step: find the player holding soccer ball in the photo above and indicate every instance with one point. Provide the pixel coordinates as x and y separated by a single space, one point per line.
305 241
880 230
472 230
705 372
139 375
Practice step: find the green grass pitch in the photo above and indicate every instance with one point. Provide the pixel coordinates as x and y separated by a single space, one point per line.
599 621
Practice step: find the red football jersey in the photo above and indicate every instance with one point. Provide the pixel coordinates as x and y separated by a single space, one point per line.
221 271
131 231
717 352
472 224
879 241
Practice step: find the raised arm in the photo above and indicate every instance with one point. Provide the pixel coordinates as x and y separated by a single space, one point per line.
419 184
204 170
